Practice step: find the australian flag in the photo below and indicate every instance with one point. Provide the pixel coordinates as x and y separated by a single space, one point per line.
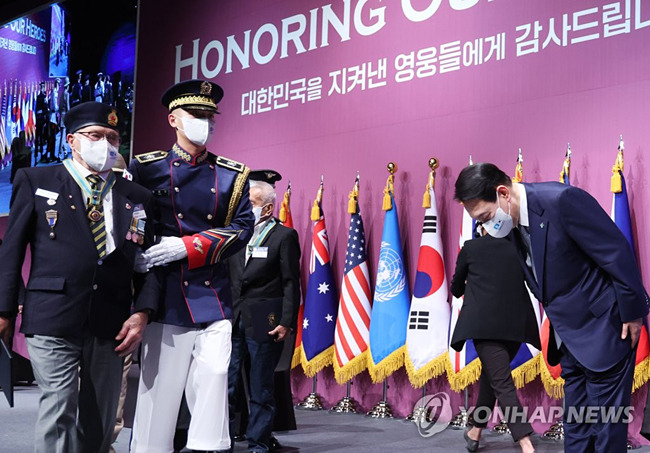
321 305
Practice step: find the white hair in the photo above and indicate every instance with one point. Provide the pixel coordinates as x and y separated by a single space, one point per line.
267 191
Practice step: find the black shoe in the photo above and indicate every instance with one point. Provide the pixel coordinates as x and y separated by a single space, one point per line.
274 444
180 439
239 437
472 445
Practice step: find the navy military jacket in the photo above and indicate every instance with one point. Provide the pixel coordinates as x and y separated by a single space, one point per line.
204 200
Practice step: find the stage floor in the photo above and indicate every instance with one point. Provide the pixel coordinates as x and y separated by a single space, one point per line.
318 431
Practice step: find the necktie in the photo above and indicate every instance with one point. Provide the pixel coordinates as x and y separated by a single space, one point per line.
525 236
95 213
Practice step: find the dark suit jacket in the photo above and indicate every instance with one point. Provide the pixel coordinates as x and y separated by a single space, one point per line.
69 288
587 276
267 280
496 305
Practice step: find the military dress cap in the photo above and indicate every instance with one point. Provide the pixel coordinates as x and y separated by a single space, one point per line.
90 114
193 94
268 176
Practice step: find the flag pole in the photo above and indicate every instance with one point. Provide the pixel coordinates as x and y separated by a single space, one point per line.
311 401
381 409
346 405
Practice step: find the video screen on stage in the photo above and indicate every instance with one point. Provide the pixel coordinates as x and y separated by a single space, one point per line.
59 43
33 53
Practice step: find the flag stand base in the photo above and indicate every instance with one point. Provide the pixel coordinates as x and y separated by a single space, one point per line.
461 420
555 432
311 402
346 405
501 428
381 410
419 414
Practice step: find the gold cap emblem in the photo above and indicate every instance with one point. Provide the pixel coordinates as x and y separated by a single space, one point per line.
206 88
112 118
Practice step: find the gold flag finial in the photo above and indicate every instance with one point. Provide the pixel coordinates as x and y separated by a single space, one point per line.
426 198
565 174
315 209
388 190
519 168
353 197
616 185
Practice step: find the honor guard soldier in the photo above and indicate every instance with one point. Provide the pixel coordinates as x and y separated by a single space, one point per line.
77 316
203 216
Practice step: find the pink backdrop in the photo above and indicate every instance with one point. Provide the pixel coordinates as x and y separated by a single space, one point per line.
582 91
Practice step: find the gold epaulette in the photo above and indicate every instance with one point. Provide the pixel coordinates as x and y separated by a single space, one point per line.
153 156
231 164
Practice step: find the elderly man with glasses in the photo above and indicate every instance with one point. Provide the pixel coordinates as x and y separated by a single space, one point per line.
83 226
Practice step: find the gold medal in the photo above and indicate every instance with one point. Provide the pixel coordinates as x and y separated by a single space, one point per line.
95 215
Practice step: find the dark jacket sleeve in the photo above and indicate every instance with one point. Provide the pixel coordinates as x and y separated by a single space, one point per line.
290 270
148 286
12 253
460 274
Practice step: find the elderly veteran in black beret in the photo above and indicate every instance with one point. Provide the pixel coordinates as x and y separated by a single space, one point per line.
83 226
265 279
203 215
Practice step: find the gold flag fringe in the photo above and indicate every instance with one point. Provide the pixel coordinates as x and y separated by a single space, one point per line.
433 369
344 373
297 353
641 374
465 377
616 185
526 372
393 362
554 387
313 366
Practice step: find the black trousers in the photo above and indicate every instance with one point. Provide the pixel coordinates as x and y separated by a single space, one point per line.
496 384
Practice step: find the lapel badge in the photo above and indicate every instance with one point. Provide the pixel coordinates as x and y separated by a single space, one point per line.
128 206
541 225
51 201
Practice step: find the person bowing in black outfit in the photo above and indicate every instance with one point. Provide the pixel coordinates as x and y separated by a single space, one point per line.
498 315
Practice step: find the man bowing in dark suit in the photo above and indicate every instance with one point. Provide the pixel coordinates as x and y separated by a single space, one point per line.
265 279
83 226
581 267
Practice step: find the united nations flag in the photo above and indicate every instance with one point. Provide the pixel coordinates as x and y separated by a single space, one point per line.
391 303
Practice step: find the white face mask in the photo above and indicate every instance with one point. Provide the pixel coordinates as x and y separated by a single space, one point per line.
99 155
257 212
197 130
501 224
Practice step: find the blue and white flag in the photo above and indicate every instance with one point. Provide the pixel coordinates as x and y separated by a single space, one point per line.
390 308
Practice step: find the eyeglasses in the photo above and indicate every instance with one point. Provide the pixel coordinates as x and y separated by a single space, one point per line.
112 138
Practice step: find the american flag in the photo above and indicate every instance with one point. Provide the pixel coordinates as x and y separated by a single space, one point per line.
353 322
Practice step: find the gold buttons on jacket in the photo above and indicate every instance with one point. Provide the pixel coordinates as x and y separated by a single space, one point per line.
179 215
209 216
207 283
213 190
176 189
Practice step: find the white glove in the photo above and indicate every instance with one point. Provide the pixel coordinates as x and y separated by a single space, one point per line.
170 248
142 264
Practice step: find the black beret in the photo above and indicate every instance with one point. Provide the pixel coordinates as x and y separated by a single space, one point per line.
90 114
269 176
193 94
